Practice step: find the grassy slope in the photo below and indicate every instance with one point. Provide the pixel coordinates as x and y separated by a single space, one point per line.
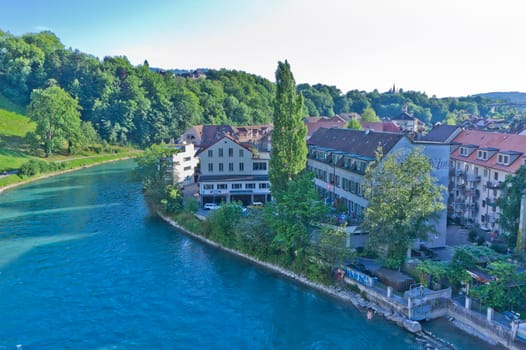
13 128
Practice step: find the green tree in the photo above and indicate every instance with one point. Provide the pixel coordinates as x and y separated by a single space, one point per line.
369 115
403 201
354 124
332 246
57 116
451 119
290 217
152 168
510 202
289 149
505 292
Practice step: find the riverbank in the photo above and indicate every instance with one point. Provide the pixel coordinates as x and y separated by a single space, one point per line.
339 293
76 164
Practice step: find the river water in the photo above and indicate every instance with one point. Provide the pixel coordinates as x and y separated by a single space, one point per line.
84 265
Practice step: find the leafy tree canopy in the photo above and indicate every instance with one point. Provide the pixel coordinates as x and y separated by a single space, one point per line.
403 201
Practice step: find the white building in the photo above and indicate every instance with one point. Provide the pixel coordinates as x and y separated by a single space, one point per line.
184 163
233 171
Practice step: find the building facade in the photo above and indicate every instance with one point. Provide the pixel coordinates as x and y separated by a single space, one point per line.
183 163
339 157
480 162
233 171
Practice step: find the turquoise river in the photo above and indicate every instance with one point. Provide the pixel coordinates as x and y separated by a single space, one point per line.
85 265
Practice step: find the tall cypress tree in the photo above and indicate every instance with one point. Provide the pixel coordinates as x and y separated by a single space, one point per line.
289 149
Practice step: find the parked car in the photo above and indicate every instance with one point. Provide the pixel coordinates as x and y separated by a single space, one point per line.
211 206
256 205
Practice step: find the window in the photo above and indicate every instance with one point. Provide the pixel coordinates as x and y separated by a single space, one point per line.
210 153
241 153
230 152
186 168
496 176
220 152
208 186
211 167
220 167
482 155
241 167
263 186
259 166
236 186
486 172
250 186
504 159
230 166
463 151
222 186
187 159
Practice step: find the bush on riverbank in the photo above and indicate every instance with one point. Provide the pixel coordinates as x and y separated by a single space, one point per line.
251 235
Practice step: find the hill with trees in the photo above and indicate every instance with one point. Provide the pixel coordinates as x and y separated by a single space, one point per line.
127 104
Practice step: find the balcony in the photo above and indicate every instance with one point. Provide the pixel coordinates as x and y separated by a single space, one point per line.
492 202
473 178
459 186
459 172
473 206
471 192
493 185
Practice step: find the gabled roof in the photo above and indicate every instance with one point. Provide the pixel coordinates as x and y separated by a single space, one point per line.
244 145
386 126
358 142
506 143
405 116
209 134
314 123
442 133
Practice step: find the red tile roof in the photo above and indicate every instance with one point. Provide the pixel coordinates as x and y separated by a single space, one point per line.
483 139
314 123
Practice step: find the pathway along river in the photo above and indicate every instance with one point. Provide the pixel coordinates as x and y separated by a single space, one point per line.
84 265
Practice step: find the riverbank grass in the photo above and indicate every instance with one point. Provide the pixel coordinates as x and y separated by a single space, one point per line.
71 164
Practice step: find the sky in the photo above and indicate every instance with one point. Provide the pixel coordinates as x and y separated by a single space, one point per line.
440 47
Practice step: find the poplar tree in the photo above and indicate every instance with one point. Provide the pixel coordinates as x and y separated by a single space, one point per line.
289 149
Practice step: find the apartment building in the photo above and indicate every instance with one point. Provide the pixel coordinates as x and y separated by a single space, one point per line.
183 163
233 171
339 157
480 162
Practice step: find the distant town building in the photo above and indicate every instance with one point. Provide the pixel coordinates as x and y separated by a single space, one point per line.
314 123
407 123
205 135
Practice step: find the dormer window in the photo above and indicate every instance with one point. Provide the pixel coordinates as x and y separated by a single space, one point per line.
464 151
482 155
504 159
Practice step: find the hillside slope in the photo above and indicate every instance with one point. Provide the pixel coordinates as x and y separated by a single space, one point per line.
511 96
13 128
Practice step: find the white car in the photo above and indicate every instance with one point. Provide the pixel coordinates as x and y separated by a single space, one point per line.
211 206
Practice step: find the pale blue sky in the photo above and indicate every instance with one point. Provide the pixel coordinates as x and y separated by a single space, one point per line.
442 47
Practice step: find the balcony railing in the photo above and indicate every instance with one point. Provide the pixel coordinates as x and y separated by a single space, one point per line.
473 178
493 184
472 193
492 202
459 172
